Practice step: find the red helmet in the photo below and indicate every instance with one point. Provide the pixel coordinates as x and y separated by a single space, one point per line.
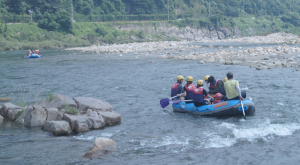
218 96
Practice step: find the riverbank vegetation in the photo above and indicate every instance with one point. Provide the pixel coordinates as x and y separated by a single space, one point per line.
72 23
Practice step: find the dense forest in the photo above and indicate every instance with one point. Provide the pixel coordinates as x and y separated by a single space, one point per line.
113 10
59 16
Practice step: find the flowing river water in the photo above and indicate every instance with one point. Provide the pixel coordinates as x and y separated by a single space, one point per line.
148 134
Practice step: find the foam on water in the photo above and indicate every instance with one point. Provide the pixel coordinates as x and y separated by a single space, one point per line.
229 134
92 138
167 140
82 137
245 89
280 103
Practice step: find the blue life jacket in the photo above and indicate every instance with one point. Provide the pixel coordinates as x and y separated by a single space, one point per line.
174 89
198 95
189 91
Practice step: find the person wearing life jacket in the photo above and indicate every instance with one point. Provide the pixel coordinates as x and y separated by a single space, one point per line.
188 89
199 93
32 52
28 53
216 86
37 52
232 88
218 98
177 89
206 81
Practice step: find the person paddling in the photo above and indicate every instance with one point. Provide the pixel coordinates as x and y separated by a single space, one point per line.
199 93
28 53
232 88
177 89
188 89
216 86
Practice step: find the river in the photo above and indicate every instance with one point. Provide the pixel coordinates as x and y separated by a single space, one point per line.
149 134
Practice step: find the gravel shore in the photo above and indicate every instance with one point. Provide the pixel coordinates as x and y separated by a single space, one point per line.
259 57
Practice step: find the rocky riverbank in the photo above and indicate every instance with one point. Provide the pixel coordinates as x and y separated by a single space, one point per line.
258 57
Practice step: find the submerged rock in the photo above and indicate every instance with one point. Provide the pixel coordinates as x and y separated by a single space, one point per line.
101 146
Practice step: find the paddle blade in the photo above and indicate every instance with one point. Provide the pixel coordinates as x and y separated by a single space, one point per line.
164 102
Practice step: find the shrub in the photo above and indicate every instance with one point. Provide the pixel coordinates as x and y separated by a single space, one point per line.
91 37
141 34
73 110
50 96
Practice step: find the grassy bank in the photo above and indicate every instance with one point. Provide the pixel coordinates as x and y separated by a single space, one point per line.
30 36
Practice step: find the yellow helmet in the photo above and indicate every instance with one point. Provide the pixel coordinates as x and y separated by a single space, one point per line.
28 50
206 77
200 82
36 50
189 78
225 79
180 77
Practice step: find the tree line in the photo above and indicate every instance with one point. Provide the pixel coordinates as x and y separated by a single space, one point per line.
55 15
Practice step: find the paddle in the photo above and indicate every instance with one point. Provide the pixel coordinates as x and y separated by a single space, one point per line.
243 110
178 101
24 56
165 102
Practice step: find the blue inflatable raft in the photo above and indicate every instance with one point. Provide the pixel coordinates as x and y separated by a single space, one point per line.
34 56
226 108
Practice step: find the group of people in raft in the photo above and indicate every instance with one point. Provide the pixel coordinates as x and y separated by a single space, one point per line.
30 52
218 90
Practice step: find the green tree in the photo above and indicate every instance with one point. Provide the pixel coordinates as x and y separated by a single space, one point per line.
48 22
63 18
87 8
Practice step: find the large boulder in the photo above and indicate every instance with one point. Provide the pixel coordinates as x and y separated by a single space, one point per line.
97 122
13 114
26 113
57 128
85 103
111 118
59 102
78 123
52 114
33 116
82 127
1 119
8 106
101 146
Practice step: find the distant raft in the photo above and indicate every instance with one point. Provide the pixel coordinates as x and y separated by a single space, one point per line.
34 56
223 109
